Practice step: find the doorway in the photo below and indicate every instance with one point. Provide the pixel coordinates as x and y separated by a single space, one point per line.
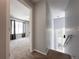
59 32
21 29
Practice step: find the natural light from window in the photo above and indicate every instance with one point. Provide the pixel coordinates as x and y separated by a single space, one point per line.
19 27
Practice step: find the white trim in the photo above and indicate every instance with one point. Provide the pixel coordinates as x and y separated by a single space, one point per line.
40 52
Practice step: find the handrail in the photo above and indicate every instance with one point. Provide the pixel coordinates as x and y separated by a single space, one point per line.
67 39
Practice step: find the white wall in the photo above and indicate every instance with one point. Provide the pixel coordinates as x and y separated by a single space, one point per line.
40 26
72 28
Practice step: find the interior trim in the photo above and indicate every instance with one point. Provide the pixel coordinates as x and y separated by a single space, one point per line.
40 52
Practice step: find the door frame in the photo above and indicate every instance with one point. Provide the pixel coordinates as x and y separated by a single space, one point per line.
29 5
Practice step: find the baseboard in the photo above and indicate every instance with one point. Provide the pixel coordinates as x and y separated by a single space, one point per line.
40 52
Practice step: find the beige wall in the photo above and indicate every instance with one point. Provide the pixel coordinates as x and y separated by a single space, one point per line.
44 27
4 29
40 26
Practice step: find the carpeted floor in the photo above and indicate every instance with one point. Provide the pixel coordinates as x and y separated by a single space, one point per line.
20 49
36 55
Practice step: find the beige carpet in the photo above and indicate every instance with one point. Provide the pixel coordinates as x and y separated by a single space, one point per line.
20 48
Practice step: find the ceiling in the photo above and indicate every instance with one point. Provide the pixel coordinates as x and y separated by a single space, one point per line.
59 4
57 7
18 10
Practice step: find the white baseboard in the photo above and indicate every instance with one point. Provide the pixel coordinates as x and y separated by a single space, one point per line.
40 52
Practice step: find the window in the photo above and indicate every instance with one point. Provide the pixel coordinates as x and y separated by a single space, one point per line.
18 27
12 27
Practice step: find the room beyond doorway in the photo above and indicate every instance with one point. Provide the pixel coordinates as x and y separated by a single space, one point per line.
21 29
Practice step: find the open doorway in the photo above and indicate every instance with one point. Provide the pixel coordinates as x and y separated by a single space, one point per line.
59 26
59 30
21 30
